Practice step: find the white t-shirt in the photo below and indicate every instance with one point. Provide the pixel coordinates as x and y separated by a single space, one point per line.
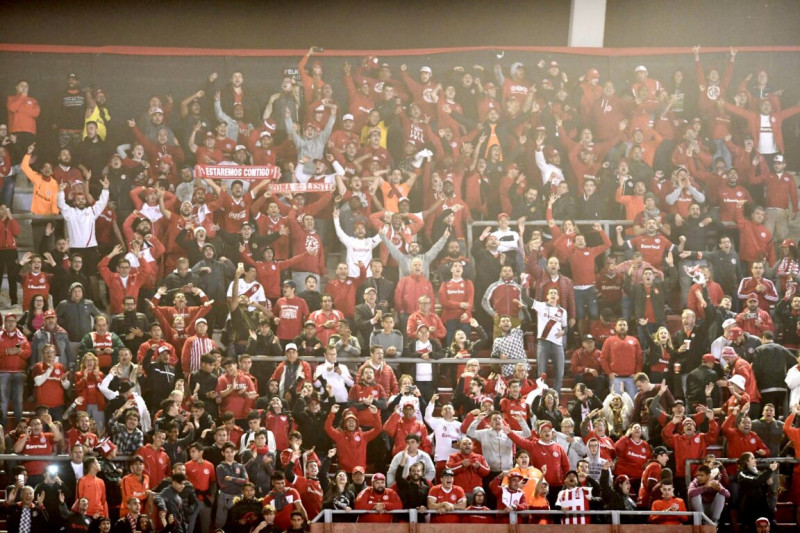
766 136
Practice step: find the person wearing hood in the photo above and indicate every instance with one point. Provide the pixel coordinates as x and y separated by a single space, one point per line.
76 314
214 273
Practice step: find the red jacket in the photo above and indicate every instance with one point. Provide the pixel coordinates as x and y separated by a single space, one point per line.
663 505
16 362
432 320
471 476
343 293
408 291
550 454
116 290
22 113
745 369
351 446
367 500
9 231
358 392
621 356
687 447
157 465
754 122
739 442
755 241
399 427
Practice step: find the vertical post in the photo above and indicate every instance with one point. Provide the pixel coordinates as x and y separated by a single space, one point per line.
615 518
587 23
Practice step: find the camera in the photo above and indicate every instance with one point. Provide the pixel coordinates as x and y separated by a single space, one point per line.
52 470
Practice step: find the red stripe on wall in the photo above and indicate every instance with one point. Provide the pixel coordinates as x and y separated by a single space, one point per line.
158 51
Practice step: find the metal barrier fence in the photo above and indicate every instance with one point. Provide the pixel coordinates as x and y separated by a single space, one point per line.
698 518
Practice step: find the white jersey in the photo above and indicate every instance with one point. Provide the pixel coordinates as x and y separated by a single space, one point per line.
445 434
551 323
357 250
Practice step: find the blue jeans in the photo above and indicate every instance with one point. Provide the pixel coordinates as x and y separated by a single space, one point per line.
452 326
586 303
627 383
553 352
723 152
11 383
9 182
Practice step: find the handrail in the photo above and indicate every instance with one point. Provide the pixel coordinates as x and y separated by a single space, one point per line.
698 518
389 360
58 458
687 464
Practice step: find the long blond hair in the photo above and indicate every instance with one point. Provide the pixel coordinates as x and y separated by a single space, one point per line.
669 337
90 356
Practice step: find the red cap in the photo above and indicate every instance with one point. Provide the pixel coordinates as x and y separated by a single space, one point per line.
709 358
788 242
378 476
544 424
49 314
359 469
501 215
752 296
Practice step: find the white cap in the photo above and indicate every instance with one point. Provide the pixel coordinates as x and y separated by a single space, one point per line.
240 147
348 116
641 68
738 381
290 346
426 69
728 323
320 108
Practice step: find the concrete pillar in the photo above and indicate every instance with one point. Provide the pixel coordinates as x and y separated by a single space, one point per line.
587 21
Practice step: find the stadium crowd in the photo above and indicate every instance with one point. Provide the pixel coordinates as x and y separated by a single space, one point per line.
148 303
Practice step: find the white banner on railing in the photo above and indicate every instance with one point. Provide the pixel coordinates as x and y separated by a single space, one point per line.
237 172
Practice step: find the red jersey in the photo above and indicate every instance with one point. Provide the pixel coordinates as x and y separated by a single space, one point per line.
236 402
453 496
542 453
266 224
369 498
86 387
201 475
452 294
291 312
34 284
320 317
728 199
631 457
41 444
653 248
104 226
88 439
511 407
50 393
236 212
283 506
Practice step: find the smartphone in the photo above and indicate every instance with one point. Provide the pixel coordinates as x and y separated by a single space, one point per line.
241 266
52 470
21 479
335 364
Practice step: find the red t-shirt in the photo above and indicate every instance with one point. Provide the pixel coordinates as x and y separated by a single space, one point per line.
283 515
236 402
454 495
33 284
235 212
41 444
291 312
50 393
201 476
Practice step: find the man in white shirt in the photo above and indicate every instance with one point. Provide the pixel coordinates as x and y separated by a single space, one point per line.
333 374
248 286
359 247
552 325
80 222
446 430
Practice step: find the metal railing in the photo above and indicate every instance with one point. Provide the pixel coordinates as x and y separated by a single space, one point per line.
698 518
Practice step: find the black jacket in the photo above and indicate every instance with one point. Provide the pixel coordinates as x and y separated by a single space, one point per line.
771 362
696 383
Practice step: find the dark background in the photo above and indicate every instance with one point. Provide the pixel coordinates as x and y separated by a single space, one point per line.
371 24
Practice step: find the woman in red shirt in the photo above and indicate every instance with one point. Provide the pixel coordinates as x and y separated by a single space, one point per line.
86 382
